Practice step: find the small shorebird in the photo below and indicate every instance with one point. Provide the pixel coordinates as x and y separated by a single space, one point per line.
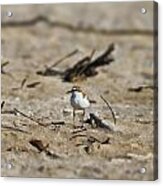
79 100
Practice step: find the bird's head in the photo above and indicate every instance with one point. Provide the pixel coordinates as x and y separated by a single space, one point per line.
74 89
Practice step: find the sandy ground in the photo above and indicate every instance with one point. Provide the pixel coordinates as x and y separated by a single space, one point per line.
30 45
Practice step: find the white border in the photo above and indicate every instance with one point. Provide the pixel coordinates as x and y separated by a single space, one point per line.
64 182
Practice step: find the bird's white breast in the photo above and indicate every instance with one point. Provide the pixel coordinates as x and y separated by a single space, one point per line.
78 101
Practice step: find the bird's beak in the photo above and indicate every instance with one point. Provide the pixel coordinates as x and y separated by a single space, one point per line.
68 92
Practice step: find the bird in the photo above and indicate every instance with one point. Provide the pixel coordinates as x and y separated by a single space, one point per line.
79 101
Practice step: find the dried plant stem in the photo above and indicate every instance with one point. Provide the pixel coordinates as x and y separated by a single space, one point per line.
109 106
29 117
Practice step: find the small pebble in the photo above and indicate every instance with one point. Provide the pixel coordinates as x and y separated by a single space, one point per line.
17 114
17 99
30 113
127 106
67 112
117 116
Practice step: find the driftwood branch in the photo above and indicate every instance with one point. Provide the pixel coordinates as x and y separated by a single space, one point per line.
86 67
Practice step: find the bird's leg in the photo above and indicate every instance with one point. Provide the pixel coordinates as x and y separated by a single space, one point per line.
83 116
73 116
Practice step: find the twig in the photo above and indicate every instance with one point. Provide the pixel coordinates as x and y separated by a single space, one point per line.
2 104
63 58
78 135
32 85
104 59
42 148
106 141
29 117
3 65
92 139
53 72
72 74
58 123
38 144
140 88
90 58
36 121
92 53
109 106
15 129
23 83
78 130
8 112
3 71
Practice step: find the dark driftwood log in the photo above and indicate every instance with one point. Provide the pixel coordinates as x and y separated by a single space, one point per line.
86 68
